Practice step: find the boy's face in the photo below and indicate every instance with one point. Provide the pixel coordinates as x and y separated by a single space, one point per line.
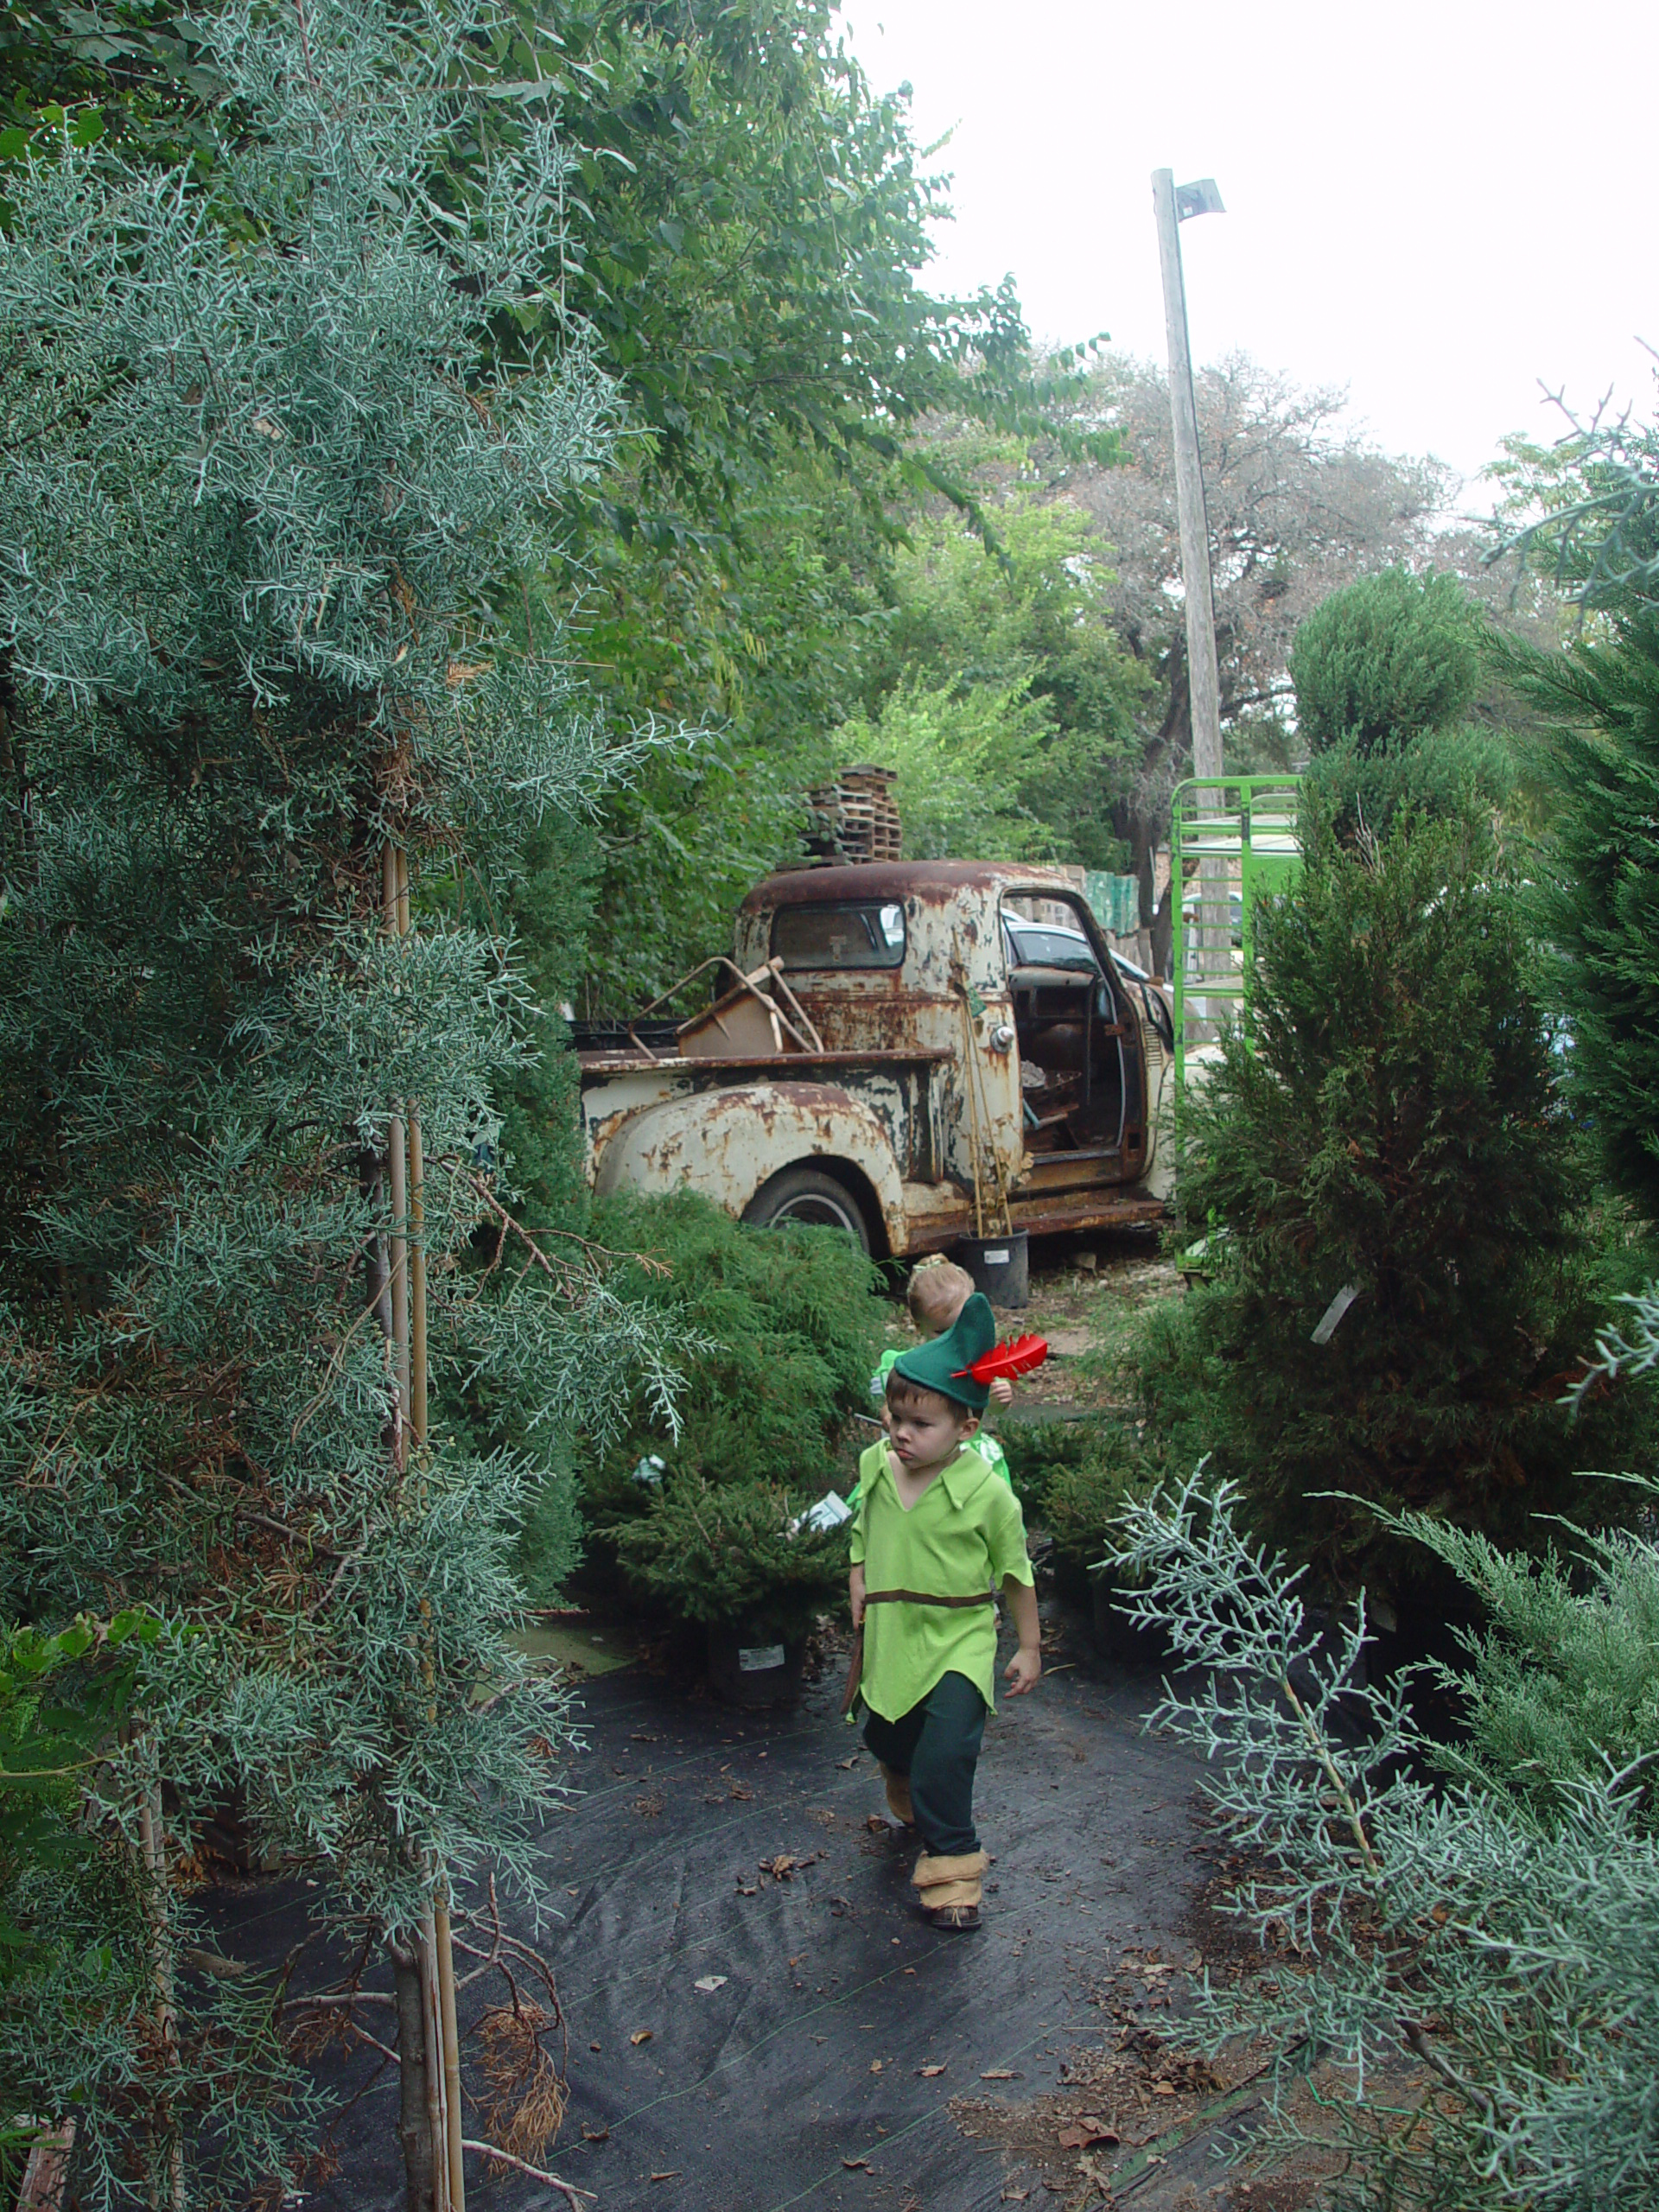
927 1429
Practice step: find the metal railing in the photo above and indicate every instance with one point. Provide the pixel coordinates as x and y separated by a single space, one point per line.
1241 831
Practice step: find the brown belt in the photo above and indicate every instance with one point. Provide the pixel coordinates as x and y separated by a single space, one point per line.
856 1670
923 1597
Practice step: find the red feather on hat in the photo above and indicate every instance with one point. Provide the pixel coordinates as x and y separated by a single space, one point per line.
1018 1356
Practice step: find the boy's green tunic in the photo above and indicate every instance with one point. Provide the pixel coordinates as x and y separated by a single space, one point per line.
964 1534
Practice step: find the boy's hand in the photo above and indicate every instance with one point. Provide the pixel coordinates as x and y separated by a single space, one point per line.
1003 1391
855 1595
1023 1670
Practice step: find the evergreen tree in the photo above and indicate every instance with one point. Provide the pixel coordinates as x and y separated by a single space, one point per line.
279 715
1388 1134
1389 658
1599 897
1385 673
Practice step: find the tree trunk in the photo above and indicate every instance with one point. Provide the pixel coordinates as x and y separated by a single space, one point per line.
414 2122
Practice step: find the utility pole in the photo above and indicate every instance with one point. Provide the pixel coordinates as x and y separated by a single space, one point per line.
1170 205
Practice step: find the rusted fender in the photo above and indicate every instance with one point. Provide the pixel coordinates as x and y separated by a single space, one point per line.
726 1143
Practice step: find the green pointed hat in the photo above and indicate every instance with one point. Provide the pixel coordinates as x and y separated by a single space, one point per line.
936 1365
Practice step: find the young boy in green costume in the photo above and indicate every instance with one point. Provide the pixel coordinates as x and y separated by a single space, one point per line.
934 1529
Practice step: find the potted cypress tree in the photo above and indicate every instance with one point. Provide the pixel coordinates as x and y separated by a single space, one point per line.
284 692
741 1560
783 1334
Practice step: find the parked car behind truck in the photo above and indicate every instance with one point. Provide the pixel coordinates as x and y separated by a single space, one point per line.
951 1048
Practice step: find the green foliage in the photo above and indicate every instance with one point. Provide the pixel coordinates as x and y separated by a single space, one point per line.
1391 1127
1016 661
1564 1676
962 757
1391 658
272 503
786 1333
86 1937
1447 777
1599 900
734 1554
1497 1927
1585 511
788 1330
1082 1501
757 645
61 1697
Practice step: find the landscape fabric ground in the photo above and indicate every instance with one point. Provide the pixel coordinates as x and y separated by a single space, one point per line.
840 2028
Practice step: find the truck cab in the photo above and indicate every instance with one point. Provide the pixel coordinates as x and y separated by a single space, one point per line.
968 1050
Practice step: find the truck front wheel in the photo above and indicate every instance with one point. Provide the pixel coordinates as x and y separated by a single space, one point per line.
807 1194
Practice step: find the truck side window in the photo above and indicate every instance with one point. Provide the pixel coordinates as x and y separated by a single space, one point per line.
839 937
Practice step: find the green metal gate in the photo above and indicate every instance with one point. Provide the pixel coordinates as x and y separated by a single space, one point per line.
1241 833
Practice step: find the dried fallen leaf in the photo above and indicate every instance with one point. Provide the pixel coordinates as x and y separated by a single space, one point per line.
709 1981
642 2035
747 1889
672 2174
1163 2089
997 2074
594 2134
779 1868
847 1762
1015 2195
929 2073
851 2164
1083 2134
875 1824
875 2065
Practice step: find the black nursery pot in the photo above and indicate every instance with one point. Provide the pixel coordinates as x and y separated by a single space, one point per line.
1000 1266
749 1668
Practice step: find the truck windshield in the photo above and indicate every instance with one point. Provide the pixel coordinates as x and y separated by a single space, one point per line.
839 937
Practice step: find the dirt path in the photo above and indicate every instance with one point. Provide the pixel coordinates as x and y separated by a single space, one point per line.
758 2021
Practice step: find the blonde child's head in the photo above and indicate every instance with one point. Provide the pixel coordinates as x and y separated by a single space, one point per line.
939 1290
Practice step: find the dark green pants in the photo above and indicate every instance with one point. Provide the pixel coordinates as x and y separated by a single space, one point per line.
937 1745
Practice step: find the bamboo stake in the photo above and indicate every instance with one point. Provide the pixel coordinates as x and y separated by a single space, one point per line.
451 2049
436 2068
437 1945
417 1376
972 1097
417 1278
153 1844
395 906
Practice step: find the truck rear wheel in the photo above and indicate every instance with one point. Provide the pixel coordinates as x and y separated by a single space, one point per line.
807 1194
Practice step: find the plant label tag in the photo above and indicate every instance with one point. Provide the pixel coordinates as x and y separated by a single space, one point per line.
1334 1311
997 1259
759 1658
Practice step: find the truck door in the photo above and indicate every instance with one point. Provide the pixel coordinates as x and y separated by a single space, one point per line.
1083 1075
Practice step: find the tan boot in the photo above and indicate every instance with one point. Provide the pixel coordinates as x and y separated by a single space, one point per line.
949 1890
899 1804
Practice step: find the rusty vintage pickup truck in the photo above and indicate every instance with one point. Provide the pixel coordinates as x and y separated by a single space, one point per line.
915 1051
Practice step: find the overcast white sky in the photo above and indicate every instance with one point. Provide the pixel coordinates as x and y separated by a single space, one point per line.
1432 204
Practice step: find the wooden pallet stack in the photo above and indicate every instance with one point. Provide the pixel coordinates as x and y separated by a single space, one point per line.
856 818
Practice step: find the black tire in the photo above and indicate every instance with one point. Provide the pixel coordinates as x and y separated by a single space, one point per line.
807 1194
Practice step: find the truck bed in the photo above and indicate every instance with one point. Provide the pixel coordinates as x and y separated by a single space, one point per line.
784 1067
